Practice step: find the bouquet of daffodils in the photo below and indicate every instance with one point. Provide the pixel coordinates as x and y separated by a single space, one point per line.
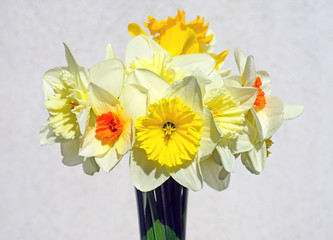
169 104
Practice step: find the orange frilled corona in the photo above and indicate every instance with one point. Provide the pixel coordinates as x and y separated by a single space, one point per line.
260 100
108 127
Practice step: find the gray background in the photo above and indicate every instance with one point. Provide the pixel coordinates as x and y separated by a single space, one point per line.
43 199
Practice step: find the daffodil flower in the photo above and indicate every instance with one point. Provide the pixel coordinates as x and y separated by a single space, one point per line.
65 99
175 133
267 114
143 52
178 37
114 106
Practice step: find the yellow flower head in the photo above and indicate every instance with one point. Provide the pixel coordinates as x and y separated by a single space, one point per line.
170 133
176 36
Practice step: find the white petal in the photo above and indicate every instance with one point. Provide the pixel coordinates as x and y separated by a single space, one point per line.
227 158
70 153
46 135
108 160
83 119
90 166
49 78
266 82
249 75
292 111
134 98
245 95
91 146
189 91
195 61
75 69
110 54
145 174
271 116
124 143
142 47
102 101
240 60
211 171
233 81
255 159
109 75
189 176
149 80
211 134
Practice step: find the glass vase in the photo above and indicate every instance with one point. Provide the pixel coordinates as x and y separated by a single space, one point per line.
162 212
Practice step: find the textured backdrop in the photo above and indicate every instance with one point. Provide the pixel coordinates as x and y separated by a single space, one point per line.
42 199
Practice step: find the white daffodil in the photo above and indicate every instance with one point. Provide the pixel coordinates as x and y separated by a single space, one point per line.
110 136
65 99
173 135
267 114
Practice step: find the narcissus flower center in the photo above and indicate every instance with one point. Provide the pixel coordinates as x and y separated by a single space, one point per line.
108 126
168 128
170 133
67 101
260 100
227 112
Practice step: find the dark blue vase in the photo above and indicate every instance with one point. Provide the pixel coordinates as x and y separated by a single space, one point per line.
162 212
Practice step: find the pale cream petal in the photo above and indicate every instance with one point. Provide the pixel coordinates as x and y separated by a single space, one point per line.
255 159
249 75
225 72
189 91
211 134
233 81
146 175
204 62
141 47
77 71
266 82
109 74
292 111
49 78
83 119
240 60
108 160
189 176
245 95
46 135
252 117
110 54
91 146
226 156
211 171
244 142
70 153
134 98
271 116
149 80
90 166
102 101
124 142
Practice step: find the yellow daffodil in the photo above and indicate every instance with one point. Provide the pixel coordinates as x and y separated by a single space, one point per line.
178 37
174 134
110 136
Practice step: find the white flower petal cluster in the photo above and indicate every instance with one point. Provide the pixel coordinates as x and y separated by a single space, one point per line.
169 105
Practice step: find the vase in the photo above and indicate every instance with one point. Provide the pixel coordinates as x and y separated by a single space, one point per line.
162 212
